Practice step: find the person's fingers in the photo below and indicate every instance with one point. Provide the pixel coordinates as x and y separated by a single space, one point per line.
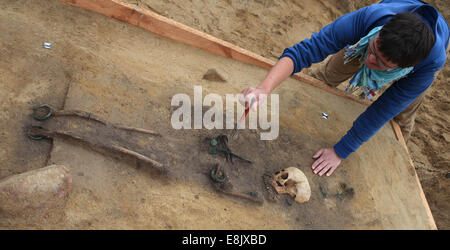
330 172
247 90
241 96
318 153
320 167
324 170
244 98
256 102
317 163
250 97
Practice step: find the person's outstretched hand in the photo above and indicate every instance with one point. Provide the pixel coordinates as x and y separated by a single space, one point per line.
327 162
257 94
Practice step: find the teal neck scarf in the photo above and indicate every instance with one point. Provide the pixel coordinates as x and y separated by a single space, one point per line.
367 79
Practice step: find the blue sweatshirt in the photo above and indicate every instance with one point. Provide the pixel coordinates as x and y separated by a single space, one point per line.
349 29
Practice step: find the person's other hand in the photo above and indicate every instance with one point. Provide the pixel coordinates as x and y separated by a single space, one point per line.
328 161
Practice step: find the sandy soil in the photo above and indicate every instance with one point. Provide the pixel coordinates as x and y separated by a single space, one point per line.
239 23
430 140
259 27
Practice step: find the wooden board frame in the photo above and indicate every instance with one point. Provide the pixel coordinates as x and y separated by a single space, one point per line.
179 32
401 139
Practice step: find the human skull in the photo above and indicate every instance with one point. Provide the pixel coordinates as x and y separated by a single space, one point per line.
292 181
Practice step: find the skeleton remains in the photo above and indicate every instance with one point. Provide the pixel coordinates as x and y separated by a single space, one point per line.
292 181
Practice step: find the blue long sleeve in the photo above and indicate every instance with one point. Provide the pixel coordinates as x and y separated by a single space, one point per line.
394 100
331 38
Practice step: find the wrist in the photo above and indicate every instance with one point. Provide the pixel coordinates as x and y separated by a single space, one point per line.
264 88
334 151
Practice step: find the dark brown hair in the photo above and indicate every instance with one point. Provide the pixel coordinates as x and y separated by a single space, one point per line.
406 39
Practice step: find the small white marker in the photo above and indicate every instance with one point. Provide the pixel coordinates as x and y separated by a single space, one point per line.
47 45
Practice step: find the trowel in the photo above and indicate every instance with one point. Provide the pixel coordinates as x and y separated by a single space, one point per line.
241 123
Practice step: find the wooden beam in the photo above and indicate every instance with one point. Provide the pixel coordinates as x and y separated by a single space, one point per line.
401 139
179 32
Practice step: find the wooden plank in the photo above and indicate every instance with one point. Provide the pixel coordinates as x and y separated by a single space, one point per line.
401 139
179 32
110 8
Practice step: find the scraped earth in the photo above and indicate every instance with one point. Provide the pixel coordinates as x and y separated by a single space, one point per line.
254 25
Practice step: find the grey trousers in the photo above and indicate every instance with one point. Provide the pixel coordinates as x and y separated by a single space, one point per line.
334 72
